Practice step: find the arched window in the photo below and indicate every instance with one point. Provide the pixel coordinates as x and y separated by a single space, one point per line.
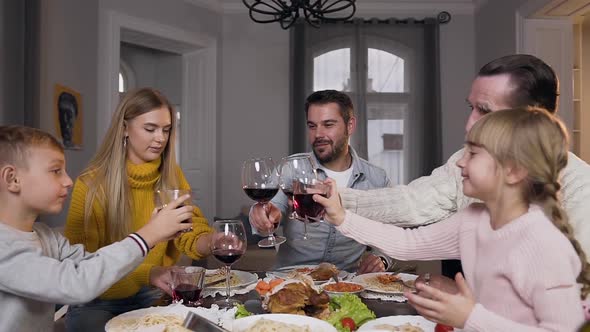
385 81
332 70
122 83
126 77
385 72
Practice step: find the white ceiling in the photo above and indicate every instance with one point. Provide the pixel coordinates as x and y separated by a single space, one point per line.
564 8
367 7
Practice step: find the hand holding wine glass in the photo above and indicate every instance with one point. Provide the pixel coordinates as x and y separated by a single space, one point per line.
163 197
260 182
293 169
334 212
228 244
304 203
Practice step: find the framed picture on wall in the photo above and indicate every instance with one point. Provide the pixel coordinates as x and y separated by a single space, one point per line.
68 116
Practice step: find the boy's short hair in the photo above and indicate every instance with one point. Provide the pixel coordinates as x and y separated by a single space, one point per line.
16 140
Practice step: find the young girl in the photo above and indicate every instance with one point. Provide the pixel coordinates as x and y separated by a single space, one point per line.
114 196
518 252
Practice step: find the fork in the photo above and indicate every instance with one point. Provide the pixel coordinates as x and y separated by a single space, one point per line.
411 287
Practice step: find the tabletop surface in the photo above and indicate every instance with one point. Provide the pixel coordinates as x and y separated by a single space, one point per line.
379 307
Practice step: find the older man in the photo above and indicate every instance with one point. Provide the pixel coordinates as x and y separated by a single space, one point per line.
508 82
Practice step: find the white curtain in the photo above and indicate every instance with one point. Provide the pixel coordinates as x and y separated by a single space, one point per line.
390 70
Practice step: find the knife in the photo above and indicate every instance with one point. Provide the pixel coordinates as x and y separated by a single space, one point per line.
195 322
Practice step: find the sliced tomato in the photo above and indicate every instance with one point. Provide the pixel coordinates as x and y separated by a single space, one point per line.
443 328
348 322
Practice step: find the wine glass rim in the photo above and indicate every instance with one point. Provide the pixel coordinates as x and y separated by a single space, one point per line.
168 190
297 156
228 221
190 270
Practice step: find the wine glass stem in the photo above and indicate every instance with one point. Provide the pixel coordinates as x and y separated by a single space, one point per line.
227 279
271 231
305 228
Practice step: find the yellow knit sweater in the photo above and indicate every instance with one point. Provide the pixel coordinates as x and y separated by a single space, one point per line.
141 180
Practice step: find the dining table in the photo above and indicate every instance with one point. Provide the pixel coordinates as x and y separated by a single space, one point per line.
379 307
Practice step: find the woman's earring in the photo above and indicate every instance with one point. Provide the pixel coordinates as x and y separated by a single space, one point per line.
125 142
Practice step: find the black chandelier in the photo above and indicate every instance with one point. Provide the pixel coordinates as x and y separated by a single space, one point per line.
287 12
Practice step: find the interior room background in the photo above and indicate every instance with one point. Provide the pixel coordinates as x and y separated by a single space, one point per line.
62 41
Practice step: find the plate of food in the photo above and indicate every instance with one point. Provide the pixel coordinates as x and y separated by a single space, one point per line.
215 279
281 322
167 319
342 287
319 273
399 324
386 282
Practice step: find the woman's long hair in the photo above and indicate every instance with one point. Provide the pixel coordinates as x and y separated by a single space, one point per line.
534 139
106 174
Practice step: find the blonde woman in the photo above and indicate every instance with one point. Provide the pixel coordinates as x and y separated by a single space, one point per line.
518 251
114 196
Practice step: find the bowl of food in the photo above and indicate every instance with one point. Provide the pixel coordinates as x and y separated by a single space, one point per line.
342 287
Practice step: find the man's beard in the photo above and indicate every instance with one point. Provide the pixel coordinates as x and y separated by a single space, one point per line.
337 149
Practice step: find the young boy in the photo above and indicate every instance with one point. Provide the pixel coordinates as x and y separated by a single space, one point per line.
38 267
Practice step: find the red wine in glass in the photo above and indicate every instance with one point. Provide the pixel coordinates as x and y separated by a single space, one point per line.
228 244
260 181
288 192
228 256
306 207
187 293
261 195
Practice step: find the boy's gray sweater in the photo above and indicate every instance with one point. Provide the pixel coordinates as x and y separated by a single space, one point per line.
39 269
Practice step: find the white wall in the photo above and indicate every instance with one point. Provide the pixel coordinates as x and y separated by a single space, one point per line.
176 13
457 61
253 115
12 47
495 28
69 31
255 94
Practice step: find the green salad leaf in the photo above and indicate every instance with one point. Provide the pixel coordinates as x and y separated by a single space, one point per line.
348 305
242 312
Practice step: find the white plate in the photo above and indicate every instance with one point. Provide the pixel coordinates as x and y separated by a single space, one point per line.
316 325
214 314
363 279
178 310
418 321
246 278
284 273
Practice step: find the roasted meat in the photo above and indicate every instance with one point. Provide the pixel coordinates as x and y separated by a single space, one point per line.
324 271
299 298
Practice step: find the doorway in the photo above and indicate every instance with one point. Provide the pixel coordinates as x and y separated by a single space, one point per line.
193 57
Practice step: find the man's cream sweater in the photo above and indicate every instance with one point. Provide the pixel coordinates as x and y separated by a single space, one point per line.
433 198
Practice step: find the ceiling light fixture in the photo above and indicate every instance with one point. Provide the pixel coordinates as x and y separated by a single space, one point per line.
287 12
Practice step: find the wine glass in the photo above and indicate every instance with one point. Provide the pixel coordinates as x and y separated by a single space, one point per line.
187 284
304 204
228 245
163 197
260 182
297 167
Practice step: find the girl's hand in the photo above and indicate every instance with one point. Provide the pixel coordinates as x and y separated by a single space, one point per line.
441 307
161 277
167 223
334 211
